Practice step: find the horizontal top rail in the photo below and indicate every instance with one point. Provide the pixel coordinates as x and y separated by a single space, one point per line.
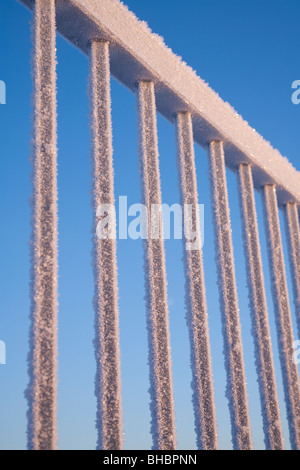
138 54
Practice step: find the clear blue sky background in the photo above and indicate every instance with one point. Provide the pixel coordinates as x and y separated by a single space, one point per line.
248 52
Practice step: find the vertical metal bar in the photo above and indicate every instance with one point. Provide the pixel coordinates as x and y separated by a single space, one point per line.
233 347
162 406
283 314
259 313
42 390
107 350
293 237
203 393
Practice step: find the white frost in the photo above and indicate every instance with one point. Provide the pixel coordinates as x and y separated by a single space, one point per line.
283 314
293 236
161 391
233 347
203 394
259 313
42 389
180 89
107 350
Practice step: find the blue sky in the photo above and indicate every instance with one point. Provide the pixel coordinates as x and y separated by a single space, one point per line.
248 52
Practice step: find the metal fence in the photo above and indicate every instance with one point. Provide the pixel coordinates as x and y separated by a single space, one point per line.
116 42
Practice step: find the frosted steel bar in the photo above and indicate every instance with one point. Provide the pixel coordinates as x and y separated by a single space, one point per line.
233 347
293 237
203 393
42 391
137 54
162 406
283 314
259 313
107 350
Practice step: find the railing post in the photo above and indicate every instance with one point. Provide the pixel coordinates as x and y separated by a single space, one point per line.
203 393
162 406
283 314
107 350
233 347
42 390
293 237
259 313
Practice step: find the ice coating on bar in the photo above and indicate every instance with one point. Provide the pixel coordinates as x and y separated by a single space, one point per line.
42 389
161 386
170 71
180 87
107 350
233 347
259 313
196 308
282 314
293 237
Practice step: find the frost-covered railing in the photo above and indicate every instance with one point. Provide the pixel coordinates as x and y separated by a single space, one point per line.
117 42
